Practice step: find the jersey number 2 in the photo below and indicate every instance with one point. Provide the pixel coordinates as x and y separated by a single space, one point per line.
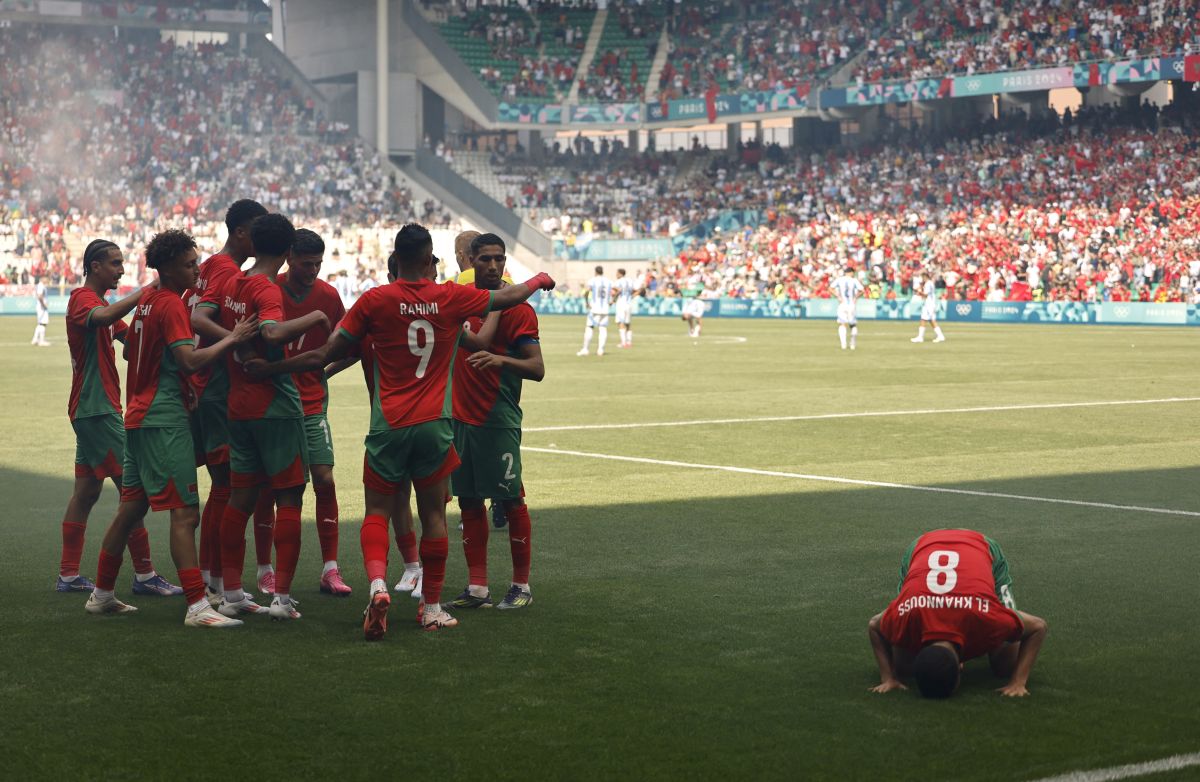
423 351
942 576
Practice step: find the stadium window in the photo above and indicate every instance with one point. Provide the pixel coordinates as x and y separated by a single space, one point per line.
1065 98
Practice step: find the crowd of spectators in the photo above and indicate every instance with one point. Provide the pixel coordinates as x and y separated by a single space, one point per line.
768 44
1100 206
980 36
134 132
624 54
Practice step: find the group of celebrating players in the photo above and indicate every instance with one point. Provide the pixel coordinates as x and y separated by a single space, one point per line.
228 368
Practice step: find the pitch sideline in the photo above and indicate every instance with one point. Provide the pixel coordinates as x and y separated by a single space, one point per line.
859 482
1172 763
869 414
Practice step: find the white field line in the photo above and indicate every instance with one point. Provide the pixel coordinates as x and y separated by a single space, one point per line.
870 414
1173 763
857 482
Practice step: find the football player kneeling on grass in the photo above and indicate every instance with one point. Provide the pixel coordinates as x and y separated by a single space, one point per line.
955 603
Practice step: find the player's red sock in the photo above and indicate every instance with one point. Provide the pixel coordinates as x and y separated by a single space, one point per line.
264 526
233 547
519 527
72 551
408 547
287 547
475 543
327 521
193 585
139 551
374 540
106 571
433 560
218 500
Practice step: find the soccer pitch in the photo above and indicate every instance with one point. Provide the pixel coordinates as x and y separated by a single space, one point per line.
689 622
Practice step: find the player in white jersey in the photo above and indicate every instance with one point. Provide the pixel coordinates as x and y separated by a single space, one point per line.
600 290
929 308
43 315
847 288
623 292
693 313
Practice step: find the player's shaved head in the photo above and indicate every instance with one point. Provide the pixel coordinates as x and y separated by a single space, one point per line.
936 670
462 248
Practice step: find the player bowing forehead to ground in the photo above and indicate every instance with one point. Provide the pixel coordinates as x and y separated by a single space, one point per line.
210 420
95 411
599 296
305 292
267 443
160 468
955 603
415 326
487 433
847 288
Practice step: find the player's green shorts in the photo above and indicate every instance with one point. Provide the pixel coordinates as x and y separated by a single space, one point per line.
210 425
160 467
99 446
423 454
268 450
320 440
491 463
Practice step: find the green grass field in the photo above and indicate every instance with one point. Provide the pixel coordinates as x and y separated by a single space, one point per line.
689 622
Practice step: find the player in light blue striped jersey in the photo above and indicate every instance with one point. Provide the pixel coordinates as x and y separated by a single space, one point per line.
600 293
623 293
847 288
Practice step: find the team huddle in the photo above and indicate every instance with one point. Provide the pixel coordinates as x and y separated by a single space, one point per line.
228 368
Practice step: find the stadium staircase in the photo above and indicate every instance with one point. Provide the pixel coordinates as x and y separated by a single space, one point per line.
589 52
656 67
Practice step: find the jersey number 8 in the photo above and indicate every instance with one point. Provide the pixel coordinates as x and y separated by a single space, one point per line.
941 566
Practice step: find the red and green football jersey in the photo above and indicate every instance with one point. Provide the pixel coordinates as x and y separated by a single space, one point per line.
313 387
364 351
250 400
950 593
156 391
487 397
415 327
95 383
212 382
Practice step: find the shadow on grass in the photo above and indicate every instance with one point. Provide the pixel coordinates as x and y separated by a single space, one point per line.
706 638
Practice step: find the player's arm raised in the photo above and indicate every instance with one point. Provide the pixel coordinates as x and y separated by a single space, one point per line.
888 680
1031 644
191 360
527 365
512 295
106 316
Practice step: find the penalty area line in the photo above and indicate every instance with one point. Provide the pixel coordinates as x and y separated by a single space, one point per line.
869 414
1172 763
857 482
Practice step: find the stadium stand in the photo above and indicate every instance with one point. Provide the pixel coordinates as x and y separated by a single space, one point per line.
137 133
770 43
625 53
980 36
519 54
1100 206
